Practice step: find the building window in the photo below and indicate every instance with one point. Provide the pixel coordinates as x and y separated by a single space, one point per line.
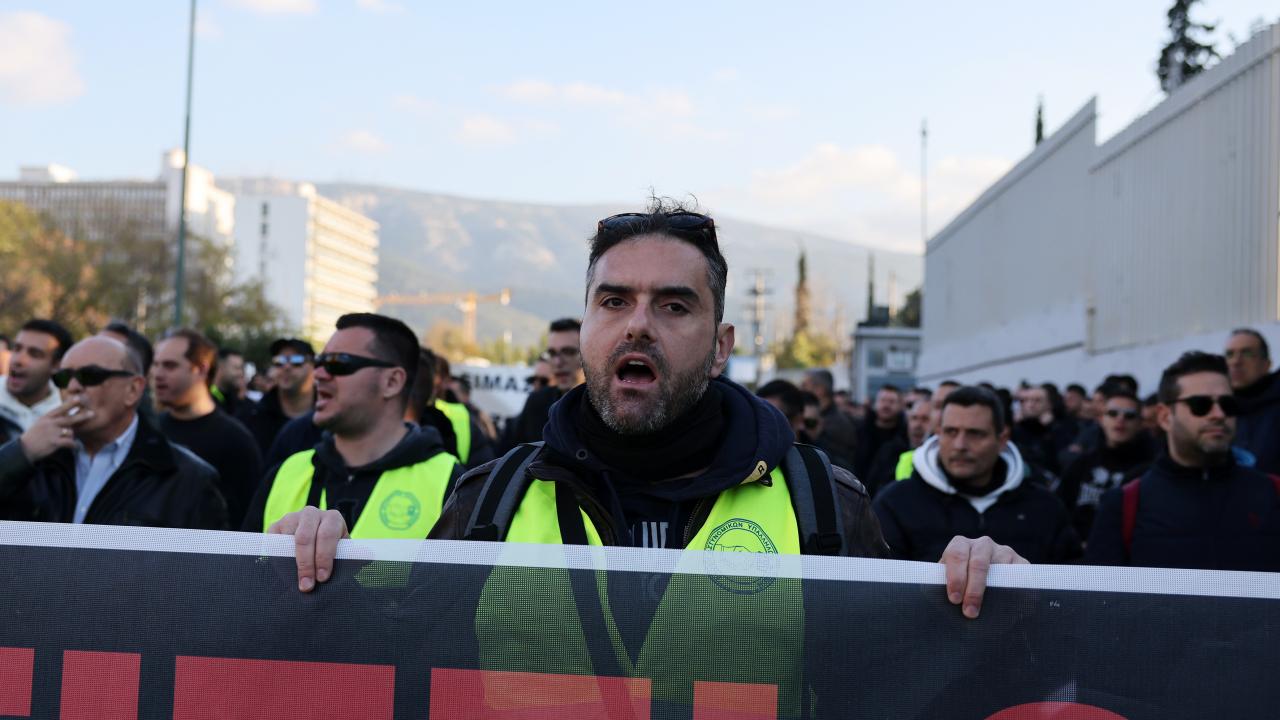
875 358
266 207
264 229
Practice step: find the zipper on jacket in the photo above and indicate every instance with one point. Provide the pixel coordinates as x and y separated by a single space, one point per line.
688 527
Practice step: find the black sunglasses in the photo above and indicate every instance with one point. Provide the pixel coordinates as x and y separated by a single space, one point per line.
339 364
87 376
680 221
295 360
1201 405
1126 414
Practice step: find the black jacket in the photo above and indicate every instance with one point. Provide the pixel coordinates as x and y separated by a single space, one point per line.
527 426
1223 518
1104 468
1258 428
754 431
922 514
300 433
884 468
158 485
347 489
264 419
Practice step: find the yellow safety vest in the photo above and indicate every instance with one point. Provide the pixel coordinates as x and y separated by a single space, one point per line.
405 503
906 465
712 626
460 418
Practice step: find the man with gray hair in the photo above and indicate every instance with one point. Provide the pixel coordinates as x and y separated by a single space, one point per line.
94 459
839 435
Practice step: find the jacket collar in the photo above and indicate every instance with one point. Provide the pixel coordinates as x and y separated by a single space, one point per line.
150 449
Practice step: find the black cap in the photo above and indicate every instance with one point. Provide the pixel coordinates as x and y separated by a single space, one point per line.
301 346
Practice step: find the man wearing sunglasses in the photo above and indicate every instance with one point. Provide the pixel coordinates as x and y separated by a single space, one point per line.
564 361
1195 507
94 459
1126 451
292 396
382 477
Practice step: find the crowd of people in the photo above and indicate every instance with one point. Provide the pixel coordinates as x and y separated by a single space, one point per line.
1056 474
632 419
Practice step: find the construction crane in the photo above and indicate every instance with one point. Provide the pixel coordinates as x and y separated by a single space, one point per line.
464 301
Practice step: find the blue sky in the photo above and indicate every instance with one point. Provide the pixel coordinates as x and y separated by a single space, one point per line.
801 115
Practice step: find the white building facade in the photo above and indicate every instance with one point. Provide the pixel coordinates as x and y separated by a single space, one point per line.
93 208
1086 259
318 260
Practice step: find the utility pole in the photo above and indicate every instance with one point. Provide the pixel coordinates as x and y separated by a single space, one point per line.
179 286
924 182
757 292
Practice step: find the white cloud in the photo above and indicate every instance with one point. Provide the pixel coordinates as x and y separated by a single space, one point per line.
37 64
864 194
586 94
381 7
485 130
276 7
410 103
363 141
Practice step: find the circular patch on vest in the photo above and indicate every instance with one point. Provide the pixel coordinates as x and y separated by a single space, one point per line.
400 510
741 546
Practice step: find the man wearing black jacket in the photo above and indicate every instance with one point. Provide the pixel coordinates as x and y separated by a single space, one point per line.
94 459
969 479
656 434
293 362
563 356
1256 387
1195 507
1126 450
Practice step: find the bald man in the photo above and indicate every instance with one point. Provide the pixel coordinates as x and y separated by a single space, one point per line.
94 459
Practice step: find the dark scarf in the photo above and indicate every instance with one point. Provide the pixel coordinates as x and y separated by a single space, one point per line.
999 475
686 445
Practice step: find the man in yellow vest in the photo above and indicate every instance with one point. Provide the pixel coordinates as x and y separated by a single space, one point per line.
384 477
658 450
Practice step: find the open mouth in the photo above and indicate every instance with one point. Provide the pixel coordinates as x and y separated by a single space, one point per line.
636 370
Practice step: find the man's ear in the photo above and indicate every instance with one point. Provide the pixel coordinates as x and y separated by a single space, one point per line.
724 349
394 383
1164 417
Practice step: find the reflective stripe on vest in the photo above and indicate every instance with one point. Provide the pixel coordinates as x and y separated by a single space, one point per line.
906 465
460 418
714 625
405 502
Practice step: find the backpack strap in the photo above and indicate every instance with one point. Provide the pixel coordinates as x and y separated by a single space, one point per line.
812 485
501 494
1129 512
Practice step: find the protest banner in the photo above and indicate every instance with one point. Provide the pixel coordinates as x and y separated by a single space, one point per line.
109 622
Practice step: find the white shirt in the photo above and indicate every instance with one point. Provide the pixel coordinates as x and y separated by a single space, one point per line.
93 471
12 409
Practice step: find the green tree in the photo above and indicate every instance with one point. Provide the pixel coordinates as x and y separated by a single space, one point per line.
45 273
805 350
1184 56
909 314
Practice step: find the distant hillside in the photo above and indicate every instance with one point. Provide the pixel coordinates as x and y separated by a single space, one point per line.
433 242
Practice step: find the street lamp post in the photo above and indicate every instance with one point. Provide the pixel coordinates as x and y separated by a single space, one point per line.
180 280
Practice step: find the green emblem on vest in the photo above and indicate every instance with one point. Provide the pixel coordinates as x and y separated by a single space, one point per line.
400 510
742 547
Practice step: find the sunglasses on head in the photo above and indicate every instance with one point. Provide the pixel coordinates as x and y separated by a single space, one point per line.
1126 414
339 364
297 360
1201 405
680 221
87 376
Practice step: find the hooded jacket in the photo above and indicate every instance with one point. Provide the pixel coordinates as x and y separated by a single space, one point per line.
629 511
159 484
12 409
347 489
1258 427
922 514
